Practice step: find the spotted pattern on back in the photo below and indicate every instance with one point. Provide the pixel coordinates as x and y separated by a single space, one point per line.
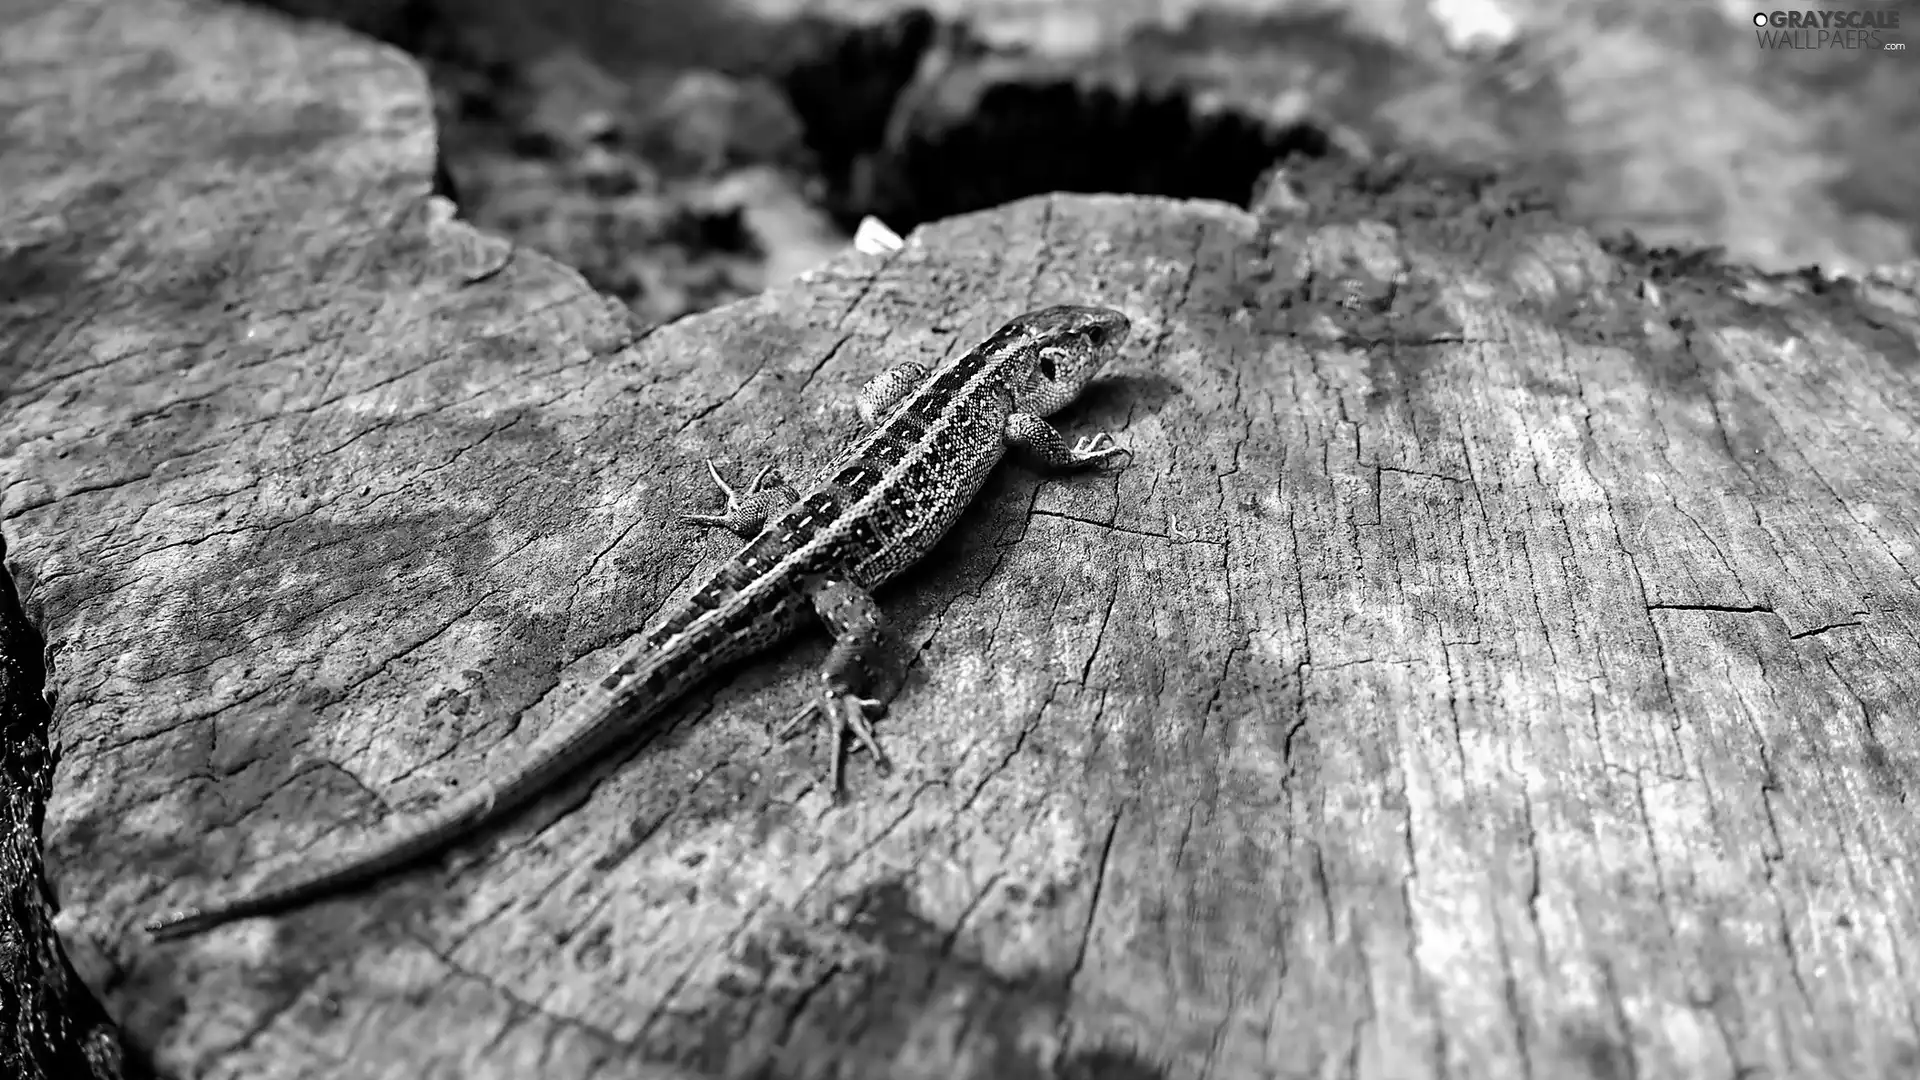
856 480
765 552
907 427
821 507
950 382
884 451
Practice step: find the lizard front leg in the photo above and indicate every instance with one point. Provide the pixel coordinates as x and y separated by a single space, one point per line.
746 515
851 614
1042 443
886 390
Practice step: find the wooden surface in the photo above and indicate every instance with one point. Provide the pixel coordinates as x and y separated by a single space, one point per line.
1500 659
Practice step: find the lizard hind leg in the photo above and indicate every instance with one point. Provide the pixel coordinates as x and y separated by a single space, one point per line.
746 514
858 630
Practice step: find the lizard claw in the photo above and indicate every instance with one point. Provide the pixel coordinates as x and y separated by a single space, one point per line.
745 514
1096 448
846 714
760 482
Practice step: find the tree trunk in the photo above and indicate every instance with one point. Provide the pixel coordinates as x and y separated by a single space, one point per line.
1499 659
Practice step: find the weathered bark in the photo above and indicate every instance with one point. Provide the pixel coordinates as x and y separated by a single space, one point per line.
1499 660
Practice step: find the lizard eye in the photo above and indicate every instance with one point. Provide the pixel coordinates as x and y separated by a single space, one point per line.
1097 336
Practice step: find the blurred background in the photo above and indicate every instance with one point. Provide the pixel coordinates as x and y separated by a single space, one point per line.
683 153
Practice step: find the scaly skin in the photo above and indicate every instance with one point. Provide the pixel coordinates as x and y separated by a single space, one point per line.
884 504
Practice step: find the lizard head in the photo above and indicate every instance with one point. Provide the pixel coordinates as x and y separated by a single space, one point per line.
1065 346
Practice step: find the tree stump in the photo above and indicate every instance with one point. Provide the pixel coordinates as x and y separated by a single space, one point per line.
1500 658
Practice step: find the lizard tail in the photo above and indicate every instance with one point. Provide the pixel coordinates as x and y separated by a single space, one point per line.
604 717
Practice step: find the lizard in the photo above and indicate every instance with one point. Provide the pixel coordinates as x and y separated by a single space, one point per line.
930 439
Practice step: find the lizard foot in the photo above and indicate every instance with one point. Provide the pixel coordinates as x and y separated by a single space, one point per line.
745 514
845 714
1096 449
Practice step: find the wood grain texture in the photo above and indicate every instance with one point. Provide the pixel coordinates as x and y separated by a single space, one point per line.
1500 659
